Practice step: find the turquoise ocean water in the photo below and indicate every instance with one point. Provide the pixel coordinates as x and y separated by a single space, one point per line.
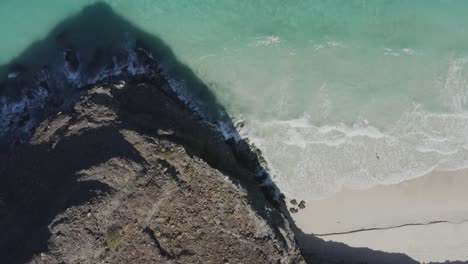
337 94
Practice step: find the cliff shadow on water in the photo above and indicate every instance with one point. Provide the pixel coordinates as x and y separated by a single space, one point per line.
98 46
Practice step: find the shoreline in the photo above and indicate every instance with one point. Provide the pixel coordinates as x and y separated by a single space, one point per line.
123 96
416 217
138 65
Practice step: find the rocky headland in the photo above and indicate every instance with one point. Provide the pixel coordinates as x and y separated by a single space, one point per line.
105 159
130 175
113 151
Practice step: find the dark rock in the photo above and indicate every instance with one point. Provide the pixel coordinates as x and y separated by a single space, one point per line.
3 86
71 59
302 204
44 85
293 210
240 124
294 202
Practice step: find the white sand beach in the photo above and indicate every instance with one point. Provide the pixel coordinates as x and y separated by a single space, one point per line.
425 218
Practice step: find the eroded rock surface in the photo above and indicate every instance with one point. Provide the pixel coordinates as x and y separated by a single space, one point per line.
130 176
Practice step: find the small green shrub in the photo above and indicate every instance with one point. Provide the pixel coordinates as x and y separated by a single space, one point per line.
113 237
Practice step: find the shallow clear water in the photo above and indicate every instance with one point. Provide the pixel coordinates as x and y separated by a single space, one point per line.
335 93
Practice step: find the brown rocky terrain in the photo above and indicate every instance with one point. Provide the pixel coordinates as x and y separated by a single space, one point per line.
129 175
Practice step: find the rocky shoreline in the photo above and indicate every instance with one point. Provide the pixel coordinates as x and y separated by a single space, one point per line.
113 151
130 175
105 158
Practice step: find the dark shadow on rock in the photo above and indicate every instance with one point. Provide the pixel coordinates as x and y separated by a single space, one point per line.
79 49
91 42
41 181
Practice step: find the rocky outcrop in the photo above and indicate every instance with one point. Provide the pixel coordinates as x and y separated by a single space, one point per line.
129 175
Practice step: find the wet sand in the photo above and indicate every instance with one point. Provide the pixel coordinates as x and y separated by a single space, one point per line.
425 218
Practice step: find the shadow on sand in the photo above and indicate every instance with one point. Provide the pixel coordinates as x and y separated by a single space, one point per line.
90 42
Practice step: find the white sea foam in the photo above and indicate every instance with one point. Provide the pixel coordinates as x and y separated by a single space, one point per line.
227 131
265 41
327 158
12 75
398 52
326 44
313 157
318 47
408 51
453 85
11 112
334 44
390 52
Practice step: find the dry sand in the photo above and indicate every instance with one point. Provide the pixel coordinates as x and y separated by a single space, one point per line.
425 218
